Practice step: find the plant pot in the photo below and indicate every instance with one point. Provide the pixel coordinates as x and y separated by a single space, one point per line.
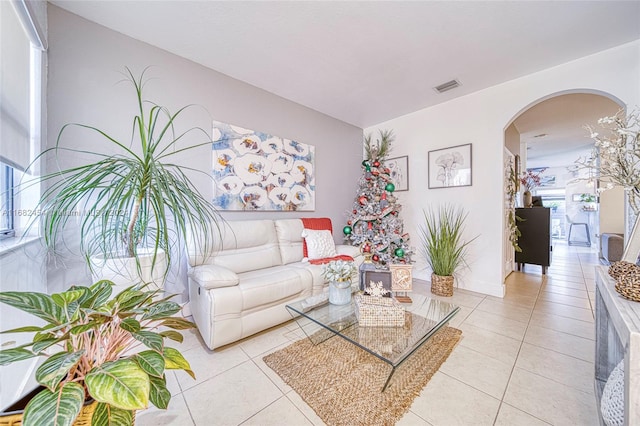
12 416
124 272
340 292
442 285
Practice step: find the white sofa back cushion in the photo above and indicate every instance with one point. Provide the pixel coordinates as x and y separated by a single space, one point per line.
290 236
246 245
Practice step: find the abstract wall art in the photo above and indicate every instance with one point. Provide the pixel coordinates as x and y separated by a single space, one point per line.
257 171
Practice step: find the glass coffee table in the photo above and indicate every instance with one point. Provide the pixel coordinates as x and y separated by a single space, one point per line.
320 320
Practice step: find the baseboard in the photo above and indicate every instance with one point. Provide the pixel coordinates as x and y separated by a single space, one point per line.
490 289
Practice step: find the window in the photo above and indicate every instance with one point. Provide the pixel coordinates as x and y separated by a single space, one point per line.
6 201
22 44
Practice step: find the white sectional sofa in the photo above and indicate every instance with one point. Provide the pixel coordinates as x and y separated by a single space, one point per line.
241 285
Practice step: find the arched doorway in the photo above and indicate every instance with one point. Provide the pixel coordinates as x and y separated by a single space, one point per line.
549 135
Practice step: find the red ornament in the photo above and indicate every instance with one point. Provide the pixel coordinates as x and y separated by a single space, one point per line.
375 258
376 164
362 200
355 211
366 249
383 196
369 226
348 222
375 172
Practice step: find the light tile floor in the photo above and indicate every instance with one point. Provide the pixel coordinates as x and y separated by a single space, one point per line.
526 359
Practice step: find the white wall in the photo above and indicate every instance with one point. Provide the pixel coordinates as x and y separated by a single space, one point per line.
85 63
481 119
611 215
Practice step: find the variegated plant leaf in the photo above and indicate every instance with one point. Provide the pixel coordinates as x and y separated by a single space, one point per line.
151 362
159 395
56 367
58 408
121 383
173 360
107 415
38 304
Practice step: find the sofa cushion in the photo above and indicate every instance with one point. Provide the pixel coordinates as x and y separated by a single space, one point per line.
315 223
265 287
241 246
320 244
214 276
289 232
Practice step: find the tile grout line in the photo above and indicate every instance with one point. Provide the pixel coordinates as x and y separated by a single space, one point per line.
517 356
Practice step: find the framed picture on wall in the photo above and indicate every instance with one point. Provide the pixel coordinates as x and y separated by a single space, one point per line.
399 167
450 167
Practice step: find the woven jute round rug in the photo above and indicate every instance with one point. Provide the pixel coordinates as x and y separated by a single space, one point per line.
342 383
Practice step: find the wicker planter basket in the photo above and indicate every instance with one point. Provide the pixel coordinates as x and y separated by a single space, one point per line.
84 418
627 276
629 287
618 269
442 286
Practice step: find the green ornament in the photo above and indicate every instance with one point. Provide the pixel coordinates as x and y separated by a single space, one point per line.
390 187
367 168
347 230
399 252
365 163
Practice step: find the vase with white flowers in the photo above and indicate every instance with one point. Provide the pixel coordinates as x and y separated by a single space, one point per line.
339 273
615 159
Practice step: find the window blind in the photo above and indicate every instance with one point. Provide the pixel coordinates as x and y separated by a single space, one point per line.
17 29
15 144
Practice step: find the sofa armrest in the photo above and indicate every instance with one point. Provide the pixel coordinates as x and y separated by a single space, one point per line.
352 251
213 276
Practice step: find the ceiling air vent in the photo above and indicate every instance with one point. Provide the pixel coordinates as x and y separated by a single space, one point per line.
447 86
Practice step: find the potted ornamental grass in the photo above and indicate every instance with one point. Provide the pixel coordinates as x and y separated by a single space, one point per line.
444 246
339 273
104 356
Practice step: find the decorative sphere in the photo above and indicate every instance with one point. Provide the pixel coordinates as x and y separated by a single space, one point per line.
362 200
355 211
375 257
390 187
347 230
399 252
376 164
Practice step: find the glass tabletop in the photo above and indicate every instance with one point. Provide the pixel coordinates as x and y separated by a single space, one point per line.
321 320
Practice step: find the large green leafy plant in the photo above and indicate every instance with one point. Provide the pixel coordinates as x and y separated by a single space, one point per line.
110 349
443 244
134 195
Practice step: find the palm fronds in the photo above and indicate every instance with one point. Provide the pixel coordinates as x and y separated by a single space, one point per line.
130 199
381 148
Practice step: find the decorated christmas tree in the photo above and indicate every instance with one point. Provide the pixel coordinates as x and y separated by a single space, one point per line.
374 223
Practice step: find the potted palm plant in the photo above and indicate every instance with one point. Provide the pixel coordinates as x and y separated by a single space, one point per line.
443 246
105 357
135 203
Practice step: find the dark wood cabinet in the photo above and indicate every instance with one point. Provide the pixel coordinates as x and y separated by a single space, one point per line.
535 238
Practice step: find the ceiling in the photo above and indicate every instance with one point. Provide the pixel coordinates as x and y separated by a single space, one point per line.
553 131
368 62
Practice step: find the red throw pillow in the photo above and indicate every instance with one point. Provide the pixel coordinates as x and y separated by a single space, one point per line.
317 224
